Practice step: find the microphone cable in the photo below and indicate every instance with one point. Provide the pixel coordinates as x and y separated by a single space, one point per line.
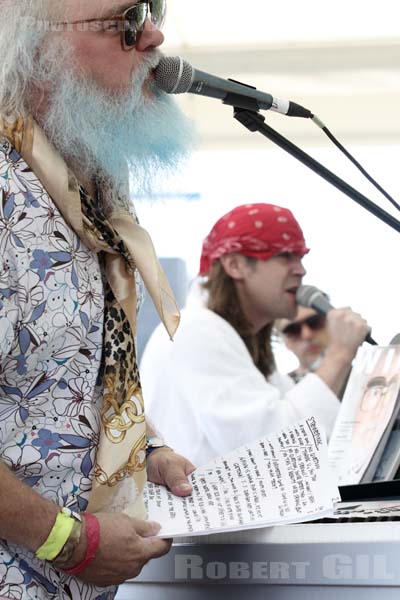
355 162
175 75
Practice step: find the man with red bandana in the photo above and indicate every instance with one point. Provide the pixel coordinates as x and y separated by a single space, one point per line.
216 387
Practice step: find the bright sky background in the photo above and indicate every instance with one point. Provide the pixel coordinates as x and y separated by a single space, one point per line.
237 22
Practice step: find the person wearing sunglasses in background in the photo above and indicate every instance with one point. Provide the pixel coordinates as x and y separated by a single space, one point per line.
219 375
307 336
79 111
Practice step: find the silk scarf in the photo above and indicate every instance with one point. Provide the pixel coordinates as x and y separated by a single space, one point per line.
120 473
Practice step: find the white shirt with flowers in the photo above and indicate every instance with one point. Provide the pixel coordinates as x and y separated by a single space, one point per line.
51 332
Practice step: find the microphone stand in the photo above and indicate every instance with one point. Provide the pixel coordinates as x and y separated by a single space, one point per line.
253 121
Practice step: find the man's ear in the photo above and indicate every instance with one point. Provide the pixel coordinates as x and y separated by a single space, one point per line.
234 265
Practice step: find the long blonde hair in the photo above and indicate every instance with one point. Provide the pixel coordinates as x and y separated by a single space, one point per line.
224 301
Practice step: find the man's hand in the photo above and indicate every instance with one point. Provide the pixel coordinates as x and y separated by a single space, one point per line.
126 545
347 330
170 469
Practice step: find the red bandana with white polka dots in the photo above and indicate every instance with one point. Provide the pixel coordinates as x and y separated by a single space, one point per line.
256 230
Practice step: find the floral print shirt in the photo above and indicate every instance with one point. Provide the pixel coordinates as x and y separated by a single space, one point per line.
51 334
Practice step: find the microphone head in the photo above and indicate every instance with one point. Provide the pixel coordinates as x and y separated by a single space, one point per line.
174 75
310 296
305 295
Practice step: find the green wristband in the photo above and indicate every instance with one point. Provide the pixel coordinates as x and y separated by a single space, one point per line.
58 536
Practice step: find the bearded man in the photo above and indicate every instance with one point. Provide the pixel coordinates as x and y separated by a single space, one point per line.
78 112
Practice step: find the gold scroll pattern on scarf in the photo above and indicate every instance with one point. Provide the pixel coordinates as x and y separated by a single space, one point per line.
118 419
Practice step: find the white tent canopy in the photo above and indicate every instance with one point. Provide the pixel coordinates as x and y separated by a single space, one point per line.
341 60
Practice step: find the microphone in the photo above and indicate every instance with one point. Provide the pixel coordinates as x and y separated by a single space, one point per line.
174 75
311 297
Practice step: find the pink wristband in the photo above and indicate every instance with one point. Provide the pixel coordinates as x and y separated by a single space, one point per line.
93 539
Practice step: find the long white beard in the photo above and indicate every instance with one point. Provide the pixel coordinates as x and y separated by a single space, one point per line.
106 134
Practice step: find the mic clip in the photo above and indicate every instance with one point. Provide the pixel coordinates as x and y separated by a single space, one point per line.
239 101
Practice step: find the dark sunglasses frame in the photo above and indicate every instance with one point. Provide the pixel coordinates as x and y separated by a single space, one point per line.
132 20
314 322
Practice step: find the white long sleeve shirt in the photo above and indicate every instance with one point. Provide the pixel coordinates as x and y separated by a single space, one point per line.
205 396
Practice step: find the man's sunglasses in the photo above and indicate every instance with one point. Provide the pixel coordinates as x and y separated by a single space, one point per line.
132 21
315 323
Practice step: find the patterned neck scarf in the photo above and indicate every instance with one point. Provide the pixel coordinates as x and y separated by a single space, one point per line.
126 248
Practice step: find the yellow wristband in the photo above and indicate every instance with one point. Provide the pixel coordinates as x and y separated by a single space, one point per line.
58 536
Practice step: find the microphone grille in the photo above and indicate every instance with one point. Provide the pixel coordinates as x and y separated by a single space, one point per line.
174 75
306 294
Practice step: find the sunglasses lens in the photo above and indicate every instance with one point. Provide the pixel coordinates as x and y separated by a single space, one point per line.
315 323
293 330
158 9
135 18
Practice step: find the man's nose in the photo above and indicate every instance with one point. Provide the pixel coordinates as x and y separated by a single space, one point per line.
151 37
306 332
298 268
